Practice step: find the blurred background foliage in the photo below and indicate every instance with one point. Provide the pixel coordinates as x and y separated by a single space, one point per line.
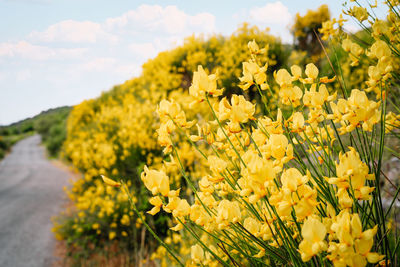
50 124
306 31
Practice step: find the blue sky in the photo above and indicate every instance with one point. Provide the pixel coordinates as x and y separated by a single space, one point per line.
55 53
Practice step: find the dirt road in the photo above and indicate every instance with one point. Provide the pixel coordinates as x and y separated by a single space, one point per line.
31 192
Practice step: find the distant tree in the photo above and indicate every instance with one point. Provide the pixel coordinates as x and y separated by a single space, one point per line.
306 26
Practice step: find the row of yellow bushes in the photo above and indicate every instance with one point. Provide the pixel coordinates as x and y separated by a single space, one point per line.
119 133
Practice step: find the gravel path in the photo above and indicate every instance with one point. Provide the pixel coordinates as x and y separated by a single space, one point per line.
31 192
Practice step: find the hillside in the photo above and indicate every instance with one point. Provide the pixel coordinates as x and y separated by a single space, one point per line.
50 124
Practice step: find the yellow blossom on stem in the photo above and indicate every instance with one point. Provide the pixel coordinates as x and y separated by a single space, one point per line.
227 212
360 13
157 203
311 72
155 181
255 49
253 73
241 112
203 84
313 233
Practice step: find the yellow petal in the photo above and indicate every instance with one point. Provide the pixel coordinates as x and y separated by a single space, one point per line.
110 182
374 257
154 210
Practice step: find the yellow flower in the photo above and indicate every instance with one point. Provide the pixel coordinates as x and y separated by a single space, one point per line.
296 72
278 145
205 185
353 246
297 122
254 49
182 209
155 181
379 50
351 167
252 225
311 72
306 201
260 254
392 121
197 254
360 13
259 172
346 44
223 109
313 232
199 215
345 201
110 182
157 203
352 175
253 73
217 167
241 111
328 29
125 220
112 235
380 27
315 99
356 50
283 77
290 95
170 110
202 84
292 178
228 212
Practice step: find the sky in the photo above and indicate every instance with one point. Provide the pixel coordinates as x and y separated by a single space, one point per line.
61 52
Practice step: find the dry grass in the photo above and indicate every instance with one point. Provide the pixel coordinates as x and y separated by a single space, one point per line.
120 259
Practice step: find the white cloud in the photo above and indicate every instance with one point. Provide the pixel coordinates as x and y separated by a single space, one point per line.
74 32
169 20
24 75
272 13
107 65
72 60
26 50
98 64
144 50
128 70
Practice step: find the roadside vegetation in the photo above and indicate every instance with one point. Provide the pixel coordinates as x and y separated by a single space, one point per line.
202 148
50 124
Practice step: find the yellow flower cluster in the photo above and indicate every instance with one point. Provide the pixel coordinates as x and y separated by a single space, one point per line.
115 135
284 171
259 200
382 40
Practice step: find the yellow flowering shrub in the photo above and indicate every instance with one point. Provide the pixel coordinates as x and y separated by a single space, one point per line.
250 154
116 135
296 188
